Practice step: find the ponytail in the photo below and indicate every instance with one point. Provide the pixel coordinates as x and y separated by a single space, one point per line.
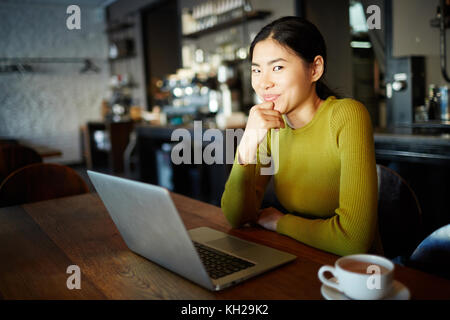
323 91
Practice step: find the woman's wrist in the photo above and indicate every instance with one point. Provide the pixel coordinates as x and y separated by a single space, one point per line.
269 218
247 151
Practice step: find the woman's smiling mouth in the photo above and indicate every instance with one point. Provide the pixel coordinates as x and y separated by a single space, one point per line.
270 97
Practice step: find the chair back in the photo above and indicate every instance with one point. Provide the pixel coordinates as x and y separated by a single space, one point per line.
15 156
40 181
5 141
433 253
399 214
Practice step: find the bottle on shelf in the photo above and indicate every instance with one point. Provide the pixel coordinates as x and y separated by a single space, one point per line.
432 103
208 14
444 105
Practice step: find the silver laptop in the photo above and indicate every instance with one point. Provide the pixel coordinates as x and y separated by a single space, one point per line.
150 225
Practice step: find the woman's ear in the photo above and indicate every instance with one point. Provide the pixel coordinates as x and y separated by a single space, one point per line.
317 68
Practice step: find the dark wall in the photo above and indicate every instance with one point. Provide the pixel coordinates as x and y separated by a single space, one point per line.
122 8
157 35
332 19
162 40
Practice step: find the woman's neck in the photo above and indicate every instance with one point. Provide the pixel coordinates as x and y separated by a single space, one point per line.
304 113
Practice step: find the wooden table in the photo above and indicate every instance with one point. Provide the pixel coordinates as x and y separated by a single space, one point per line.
39 241
44 151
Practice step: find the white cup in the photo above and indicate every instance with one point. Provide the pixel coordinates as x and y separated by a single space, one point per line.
361 276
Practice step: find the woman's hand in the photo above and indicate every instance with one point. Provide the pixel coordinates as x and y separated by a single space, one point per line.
269 217
261 118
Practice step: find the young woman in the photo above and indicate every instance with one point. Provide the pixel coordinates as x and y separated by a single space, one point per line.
325 173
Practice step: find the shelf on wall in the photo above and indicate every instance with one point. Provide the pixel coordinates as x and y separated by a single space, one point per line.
434 124
248 16
131 56
25 64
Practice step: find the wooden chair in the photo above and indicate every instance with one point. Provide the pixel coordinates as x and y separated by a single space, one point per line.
15 156
399 214
112 154
5 141
41 181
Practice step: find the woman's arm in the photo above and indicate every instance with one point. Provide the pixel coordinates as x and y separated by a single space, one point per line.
352 228
245 189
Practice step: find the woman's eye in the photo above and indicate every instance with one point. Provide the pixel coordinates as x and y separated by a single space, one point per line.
255 71
277 68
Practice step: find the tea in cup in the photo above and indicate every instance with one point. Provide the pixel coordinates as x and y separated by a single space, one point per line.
361 276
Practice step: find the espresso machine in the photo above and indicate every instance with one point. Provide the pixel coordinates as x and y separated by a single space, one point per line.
405 89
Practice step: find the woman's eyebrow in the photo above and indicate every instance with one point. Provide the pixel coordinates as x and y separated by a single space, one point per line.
270 62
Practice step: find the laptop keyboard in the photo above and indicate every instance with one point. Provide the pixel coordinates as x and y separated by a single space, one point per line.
219 264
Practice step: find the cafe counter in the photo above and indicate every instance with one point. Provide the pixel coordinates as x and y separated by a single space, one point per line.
411 145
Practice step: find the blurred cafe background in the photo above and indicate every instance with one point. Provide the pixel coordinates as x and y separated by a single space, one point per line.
108 96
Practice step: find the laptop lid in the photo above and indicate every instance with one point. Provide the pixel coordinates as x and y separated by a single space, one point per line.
157 234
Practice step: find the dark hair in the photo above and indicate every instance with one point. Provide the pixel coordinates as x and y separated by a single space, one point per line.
302 37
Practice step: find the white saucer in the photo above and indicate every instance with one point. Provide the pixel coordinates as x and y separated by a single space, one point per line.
399 292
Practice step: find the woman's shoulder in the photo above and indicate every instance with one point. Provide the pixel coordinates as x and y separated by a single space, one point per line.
346 105
347 110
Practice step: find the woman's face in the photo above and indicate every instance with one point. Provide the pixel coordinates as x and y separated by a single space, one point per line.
280 76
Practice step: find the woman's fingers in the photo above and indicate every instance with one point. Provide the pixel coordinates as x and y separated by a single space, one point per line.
265 110
270 112
261 118
272 122
272 117
266 105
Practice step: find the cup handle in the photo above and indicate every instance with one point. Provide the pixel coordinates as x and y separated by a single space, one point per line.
325 281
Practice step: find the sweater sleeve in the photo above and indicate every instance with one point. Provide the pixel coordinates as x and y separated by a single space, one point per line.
245 188
352 228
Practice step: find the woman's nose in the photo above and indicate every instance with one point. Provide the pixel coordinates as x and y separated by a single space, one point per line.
266 83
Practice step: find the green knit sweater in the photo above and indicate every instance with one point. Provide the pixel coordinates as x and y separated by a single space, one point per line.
325 176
